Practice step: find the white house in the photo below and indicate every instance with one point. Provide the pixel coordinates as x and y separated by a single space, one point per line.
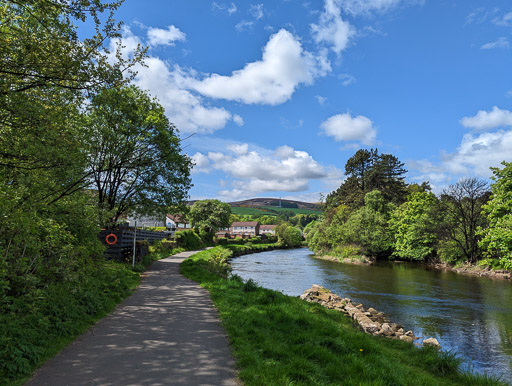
176 222
267 229
245 228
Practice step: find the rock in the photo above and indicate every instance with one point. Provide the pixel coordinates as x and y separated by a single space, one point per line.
409 333
406 338
400 330
431 342
372 311
386 330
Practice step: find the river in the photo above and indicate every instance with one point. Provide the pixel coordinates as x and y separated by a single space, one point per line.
469 315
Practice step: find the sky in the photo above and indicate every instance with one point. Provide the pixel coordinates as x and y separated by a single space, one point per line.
271 98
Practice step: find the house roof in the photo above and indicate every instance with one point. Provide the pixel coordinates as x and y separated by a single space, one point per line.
263 227
245 224
177 218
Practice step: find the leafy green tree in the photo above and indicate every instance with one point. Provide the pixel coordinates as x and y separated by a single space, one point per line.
134 154
413 225
210 215
497 236
288 236
368 170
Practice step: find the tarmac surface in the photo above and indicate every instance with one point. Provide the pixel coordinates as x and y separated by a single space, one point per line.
166 333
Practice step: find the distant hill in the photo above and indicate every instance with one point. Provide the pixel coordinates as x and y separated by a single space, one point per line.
267 202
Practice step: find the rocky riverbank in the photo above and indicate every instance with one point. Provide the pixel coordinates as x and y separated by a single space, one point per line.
369 320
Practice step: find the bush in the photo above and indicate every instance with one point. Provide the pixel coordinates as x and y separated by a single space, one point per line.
218 262
188 239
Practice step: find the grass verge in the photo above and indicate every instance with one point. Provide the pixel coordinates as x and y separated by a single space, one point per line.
282 340
35 327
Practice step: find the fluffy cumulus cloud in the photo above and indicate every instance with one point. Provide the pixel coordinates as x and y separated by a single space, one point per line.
332 29
271 80
487 120
502 42
188 111
477 153
257 171
344 127
166 37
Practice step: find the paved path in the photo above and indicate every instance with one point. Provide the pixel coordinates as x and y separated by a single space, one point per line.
166 333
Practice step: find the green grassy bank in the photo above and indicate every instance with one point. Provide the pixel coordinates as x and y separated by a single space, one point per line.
35 327
282 340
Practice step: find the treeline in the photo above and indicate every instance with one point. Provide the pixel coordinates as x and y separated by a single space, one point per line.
80 147
376 214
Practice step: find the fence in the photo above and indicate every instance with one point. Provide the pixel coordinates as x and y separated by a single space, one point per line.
123 248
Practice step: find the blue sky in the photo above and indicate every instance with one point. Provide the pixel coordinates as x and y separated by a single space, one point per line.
279 94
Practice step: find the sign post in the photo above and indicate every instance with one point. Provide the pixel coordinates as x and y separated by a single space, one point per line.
134 242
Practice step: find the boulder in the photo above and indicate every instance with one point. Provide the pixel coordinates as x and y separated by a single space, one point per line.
386 330
431 342
406 338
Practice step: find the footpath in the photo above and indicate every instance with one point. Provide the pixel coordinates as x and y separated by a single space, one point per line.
166 333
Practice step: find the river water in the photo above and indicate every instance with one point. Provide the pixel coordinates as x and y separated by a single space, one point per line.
469 315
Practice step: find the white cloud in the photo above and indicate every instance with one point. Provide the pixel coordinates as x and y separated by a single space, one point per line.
238 120
332 29
347 79
271 80
257 171
321 100
201 163
256 10
484 120
244 25
504 21
345 128
230 9
357 7
187 111
166 37
502 42
476 154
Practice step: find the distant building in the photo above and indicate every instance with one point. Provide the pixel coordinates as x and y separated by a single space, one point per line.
267 229
176 222
245 229
145 221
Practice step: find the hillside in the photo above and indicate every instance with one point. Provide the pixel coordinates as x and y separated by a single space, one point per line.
274 202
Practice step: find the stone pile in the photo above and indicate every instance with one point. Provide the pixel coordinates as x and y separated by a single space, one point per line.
369 320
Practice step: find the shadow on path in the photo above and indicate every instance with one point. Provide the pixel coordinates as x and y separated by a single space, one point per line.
166 333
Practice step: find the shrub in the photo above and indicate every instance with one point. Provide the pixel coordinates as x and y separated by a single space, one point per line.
188 239
218 262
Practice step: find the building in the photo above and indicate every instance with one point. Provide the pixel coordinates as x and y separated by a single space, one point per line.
245 229
176 222
268 229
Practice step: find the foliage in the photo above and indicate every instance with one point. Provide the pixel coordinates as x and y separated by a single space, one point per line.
282 340
367 170
497 236
134 154
218 262
288 236
188 239
461 205
35 327
210 215
413 225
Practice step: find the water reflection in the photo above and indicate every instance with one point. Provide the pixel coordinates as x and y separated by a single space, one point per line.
470 315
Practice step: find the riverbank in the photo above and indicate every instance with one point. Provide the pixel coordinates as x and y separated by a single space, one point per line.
279 339
466 269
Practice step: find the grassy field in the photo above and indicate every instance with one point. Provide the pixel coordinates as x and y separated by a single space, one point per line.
282 340
270 210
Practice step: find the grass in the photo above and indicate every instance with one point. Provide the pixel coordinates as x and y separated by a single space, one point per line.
270 211
282 340
35 327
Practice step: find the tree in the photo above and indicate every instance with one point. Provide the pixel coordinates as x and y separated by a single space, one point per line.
462 205
413 225
368 170
497 236
210 215
134 155
288 236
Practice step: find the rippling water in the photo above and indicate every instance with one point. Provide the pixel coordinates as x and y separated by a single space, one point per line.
469 315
